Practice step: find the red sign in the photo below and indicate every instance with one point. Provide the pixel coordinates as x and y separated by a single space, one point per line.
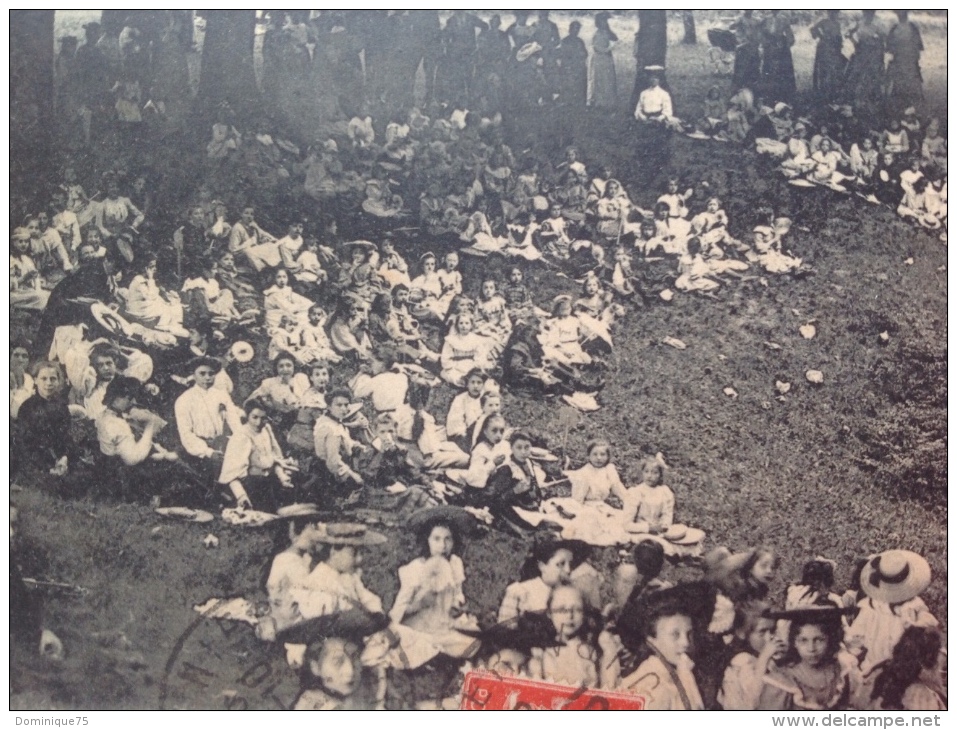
489 691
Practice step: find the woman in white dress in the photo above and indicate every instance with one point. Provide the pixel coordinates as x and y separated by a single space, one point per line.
151 306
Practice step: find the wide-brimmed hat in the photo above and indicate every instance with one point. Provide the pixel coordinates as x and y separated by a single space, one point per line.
585 402
579 549
242 351
348 533
424 520
531 630
366 245
105 316
684 535
721 563
820 613
353 623
895 576
300 509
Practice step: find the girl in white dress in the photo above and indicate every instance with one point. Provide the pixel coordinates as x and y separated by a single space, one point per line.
464 350
283 392
148 304
491 451
755 647
598 479
562 335
427 290
492 314
431 600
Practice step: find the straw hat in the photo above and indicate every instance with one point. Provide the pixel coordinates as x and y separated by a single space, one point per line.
242 351
526 51
721 563
349 533
582 401
301 509
522 633
106 318
353 623
684 535
895 576
368 246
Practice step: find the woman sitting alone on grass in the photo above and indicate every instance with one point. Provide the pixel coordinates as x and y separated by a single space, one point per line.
913 207
562 334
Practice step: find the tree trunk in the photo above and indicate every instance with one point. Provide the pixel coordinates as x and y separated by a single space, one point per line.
227 68
651 48
31 98
691 36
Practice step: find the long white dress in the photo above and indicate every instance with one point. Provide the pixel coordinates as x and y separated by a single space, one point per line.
430 590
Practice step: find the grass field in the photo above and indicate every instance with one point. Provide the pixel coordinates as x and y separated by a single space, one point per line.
844 469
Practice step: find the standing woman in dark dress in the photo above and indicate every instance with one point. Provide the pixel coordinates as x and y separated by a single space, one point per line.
905 85
604 82
747 55
573 57
547 36
865 71
829 62
520 75
777 70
